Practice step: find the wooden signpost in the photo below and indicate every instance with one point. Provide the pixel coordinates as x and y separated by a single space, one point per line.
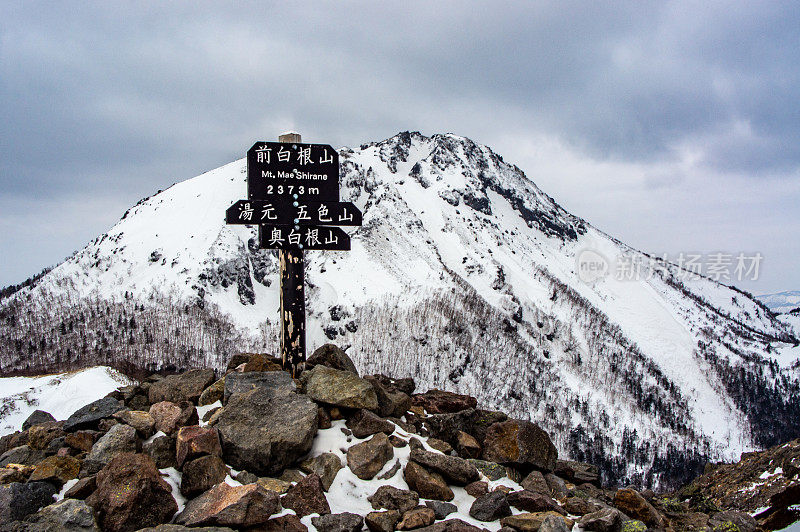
293 197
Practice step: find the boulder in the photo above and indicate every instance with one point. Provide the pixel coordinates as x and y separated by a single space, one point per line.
519 443
451 525
382 521
213 393
491 470
429 485
233 506
558 488
442 402
264 433
580 506
82 489
723 521
23 455
184 387
391 498
331 356
40 436
162 450
531 501
440 445
605 520
56 470
344 522
237 360
477 488
417 518
472 421
306 497
532 522
90 415
365 423
552 523
259 362
69 515
169 416
194 441
455 469
131 494
120 439
142 421
275 485
283 523
202 474
272 382
466 446
18 500
326 465
81 440
577 472
536 482
441 509
9 475
631 503
391 402
365 459
37 417
339 388
490 507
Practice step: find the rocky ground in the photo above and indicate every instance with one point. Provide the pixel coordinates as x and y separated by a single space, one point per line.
257 450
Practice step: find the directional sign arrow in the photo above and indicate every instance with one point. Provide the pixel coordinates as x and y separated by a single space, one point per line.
288 212
306 237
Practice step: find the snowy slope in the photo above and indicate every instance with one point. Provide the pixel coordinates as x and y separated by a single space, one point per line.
59 394
781 302
464 275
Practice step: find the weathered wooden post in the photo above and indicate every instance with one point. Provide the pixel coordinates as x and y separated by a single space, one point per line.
293 302
293 197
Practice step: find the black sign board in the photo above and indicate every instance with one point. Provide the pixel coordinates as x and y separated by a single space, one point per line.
280 170
304 237
293 212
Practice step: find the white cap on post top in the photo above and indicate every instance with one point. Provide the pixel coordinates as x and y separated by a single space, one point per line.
289 136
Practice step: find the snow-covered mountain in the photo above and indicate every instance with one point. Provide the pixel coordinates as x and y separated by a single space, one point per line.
465 275
782 302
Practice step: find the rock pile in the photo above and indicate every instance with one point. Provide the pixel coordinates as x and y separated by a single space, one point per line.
256 450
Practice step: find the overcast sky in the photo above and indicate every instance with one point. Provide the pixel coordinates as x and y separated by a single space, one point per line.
674 127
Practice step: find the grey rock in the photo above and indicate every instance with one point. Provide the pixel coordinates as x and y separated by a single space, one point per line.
184 387
162 450
453 468
326 465
451 525
90 415
23 454
391 498
339 388
18 500
382 521
344 522
536 482
365 459
37 417
391 402
473 421
263 432
558 487
68 515
202 474
120 439
181 528
275 383
331 356
491 470
441 509
365 423
552 523
306 497
490 507
605 520
391 472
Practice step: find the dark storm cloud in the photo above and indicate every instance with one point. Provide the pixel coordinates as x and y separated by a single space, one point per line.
126 98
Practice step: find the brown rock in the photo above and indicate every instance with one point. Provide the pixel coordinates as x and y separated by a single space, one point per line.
364 423
530 522
9 475
275 485
184 387
577 472
365 459
382 521
81 440
440 445
343 522
56 470
580 506
326 465
194 441
141 421
451 525
631 503
234 506
429 485
169 417
530 501
391 498
259 362
477 488
212 394
82 489
283 523
391 400
536 482
605 520
306 497
397 442
131 494
441 402
467 446
519 443
490 507
323 418
202 474
417 518
558 488
40 436
332 356
453 468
